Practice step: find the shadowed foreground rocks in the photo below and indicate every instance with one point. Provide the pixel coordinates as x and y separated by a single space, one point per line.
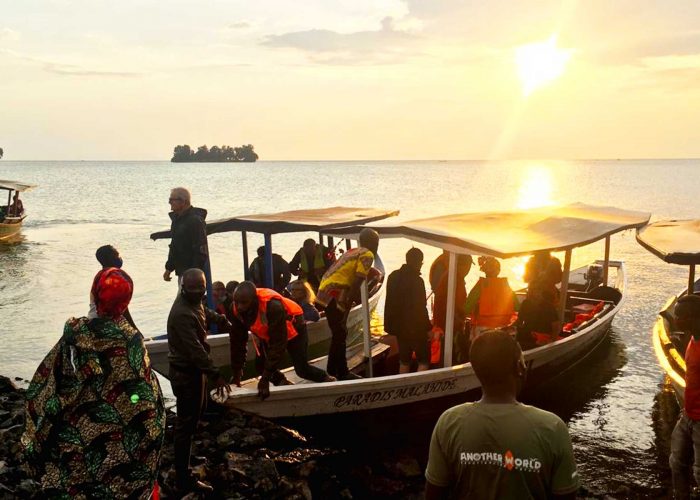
241 456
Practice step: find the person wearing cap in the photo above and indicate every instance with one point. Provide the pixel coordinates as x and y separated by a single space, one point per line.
406 313
310 263
339 287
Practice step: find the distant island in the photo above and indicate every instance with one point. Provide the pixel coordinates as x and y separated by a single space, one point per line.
1 153
246 153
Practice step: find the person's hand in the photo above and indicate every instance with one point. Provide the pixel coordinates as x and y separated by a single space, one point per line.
221 387
225 325
236 377
263 388
166 275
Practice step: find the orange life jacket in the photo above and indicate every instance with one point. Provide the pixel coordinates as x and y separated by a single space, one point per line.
496 307
260 327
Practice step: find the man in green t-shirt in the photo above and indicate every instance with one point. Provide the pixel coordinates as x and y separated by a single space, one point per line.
498 448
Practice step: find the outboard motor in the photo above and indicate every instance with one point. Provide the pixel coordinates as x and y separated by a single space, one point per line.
593 277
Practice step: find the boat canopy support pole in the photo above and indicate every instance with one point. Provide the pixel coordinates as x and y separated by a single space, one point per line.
320 239
364 292
210 292
330 242
691 280
9 199
269 275
606 263
563 291
450 319
348 244
244 244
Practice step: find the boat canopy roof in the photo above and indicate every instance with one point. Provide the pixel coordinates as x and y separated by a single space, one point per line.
316 219
516 233
673 241
15 186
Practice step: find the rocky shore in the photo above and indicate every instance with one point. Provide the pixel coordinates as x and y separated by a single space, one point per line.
241 456
245 456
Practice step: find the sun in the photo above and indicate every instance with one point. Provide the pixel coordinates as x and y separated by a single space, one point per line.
540 63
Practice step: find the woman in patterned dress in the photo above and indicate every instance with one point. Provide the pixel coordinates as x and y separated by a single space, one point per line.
95 415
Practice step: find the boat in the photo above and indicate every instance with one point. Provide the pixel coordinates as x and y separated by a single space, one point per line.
11 223
499 234
318 221
675 242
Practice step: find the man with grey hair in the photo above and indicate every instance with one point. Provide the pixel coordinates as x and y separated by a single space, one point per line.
188 245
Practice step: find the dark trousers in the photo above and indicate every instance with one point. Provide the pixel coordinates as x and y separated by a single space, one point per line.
298 349
337 322
189 388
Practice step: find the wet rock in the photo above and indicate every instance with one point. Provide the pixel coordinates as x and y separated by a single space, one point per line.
28 487
403 468
7 385
253 441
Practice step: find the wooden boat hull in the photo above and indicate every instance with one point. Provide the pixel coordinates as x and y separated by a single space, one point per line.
452 383
671 360
319 339
9 231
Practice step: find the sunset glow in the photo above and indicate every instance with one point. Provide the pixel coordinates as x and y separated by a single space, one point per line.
540 63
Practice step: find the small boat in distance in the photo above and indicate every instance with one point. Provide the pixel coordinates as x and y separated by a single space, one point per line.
674 242
497 234
320 221
10 219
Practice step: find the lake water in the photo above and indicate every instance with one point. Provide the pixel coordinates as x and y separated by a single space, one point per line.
617 409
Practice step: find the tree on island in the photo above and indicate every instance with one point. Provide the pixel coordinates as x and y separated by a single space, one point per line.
1 153
184 153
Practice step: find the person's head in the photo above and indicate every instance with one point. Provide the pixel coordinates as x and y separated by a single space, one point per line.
301 292
309 247
369 239
112 289
16 196
414 258
180 200
491 267
219 291
464 264
230 288
194 286
261 252
498 363
687 313
108 256
245 297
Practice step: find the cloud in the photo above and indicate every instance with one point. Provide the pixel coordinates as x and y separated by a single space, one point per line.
340 48
9 35
68 69
240 25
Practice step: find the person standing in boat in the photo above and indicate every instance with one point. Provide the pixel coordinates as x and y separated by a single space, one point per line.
685 439
310 263
188 245
278 324
438 269
190 364
280 271
16 209
498 447
491 302
406 313
339 287
544 267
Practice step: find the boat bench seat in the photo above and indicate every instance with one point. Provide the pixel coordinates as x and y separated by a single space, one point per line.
606 308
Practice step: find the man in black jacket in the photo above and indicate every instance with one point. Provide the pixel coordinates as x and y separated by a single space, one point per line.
406 314
188 245
190 364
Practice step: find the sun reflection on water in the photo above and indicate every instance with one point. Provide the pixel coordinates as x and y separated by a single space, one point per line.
535 187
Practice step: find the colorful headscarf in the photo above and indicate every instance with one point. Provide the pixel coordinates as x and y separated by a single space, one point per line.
112 289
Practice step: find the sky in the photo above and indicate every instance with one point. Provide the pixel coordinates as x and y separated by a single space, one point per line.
347 79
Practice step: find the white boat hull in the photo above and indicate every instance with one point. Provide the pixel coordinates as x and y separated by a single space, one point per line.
319 338
382 392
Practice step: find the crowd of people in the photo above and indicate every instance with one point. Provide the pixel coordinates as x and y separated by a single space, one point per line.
95 416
